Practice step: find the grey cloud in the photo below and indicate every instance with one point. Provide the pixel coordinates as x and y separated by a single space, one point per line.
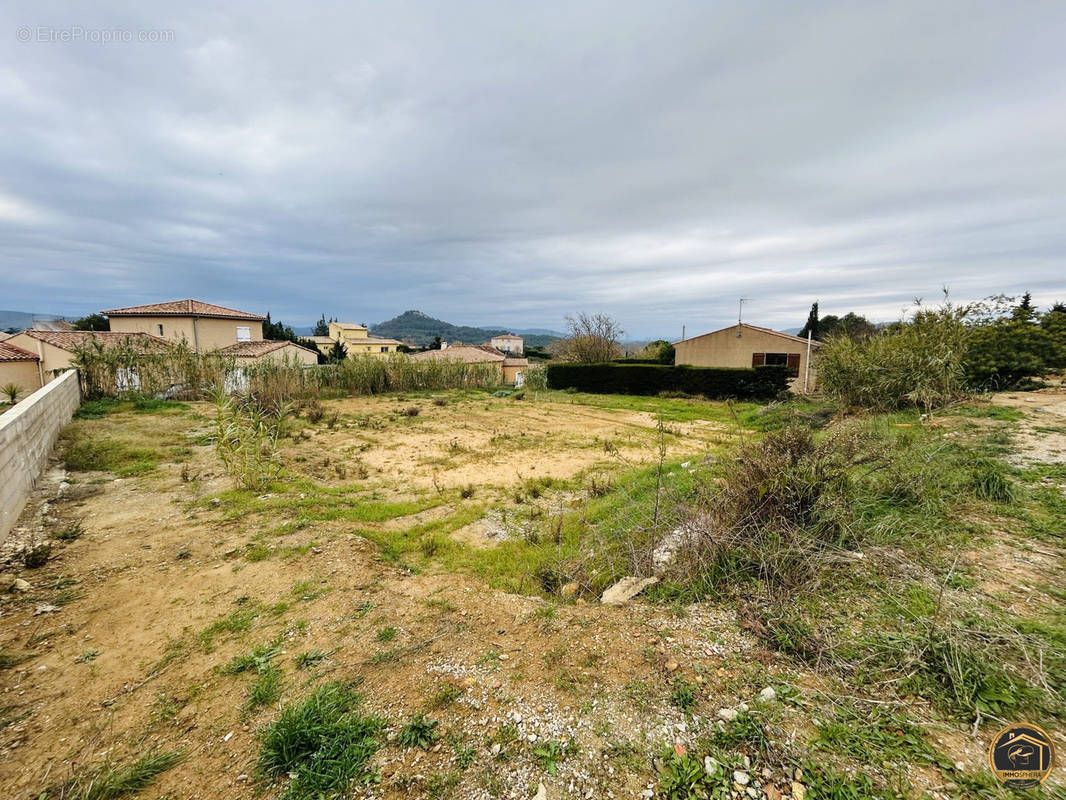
513 163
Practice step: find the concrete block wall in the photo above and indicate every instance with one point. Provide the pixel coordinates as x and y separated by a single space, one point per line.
28 432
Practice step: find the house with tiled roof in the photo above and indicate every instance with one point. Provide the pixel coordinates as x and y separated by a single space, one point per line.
204 326
55 350
744 345
288 352
19 367
512 370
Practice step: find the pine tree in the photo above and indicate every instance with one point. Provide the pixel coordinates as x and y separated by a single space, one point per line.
322 327
338 352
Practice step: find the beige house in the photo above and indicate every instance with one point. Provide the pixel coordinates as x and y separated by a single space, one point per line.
204 326
744 345
56 349
512 370
19 367
281 352
356 340
508 343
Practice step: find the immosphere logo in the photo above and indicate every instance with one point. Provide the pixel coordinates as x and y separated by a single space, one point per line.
1021 756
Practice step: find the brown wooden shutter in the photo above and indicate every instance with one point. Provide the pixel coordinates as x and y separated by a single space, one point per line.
794 363
758 359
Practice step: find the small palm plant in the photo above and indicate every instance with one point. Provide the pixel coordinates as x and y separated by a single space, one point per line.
11 391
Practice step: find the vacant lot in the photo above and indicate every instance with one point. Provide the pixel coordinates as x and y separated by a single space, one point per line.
444 554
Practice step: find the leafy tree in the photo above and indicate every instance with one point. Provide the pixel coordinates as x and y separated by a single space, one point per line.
591 338
435 344
338 352
812 325
660 349
1007 353
321 327
1054 325
92 322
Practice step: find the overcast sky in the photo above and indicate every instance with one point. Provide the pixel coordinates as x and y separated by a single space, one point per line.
509 163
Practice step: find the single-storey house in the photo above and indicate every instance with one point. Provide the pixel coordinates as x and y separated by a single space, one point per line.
744 345
56 349
204 326
356 340
512 370
282 352
19 367
508 343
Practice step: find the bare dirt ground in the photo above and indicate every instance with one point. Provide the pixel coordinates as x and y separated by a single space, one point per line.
1041 436
116 644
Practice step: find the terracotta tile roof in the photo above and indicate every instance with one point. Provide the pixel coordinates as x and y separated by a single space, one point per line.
182 308
507 336
468 353
9 352
814 342
71 340
516 362
257 349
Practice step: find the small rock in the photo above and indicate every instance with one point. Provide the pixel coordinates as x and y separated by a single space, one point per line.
21 586
671 666
495 749
625 590
727 714
242 778
7 582
710 766
504 656
741 778
542 793
771 792
799 791
45 608
768 695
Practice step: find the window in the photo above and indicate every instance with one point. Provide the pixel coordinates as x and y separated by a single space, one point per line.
244 333
159 328
790 360
385 349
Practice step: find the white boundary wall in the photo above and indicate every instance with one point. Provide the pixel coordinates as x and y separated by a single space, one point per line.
28 432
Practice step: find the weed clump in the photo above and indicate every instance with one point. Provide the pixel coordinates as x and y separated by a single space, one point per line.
324 742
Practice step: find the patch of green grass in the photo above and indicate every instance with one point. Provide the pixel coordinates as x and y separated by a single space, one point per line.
444 696
873 735
265 689
11 660
671 409
237 621
111 781
74 530
308 590
325 742
419 732
440 785
310 659
257 659
87 656
84 453
386 634
746 733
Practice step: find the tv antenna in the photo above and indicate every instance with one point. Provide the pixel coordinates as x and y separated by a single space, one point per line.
740 312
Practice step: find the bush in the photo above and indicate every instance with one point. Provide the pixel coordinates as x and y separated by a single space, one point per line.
651 379
246 439
779 510
915 364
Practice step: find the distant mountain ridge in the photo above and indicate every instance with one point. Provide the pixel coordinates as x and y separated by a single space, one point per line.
420 329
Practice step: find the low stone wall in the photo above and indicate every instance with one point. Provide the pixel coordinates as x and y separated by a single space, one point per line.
28 432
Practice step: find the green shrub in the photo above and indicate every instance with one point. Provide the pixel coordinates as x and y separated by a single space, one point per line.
651 379
419 732
917 364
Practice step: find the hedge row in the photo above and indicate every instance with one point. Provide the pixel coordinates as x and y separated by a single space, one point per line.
711 382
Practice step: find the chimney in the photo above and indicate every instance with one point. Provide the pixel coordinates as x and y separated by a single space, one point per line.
443 345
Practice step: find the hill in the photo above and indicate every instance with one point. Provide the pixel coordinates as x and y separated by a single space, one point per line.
20 320
420 329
